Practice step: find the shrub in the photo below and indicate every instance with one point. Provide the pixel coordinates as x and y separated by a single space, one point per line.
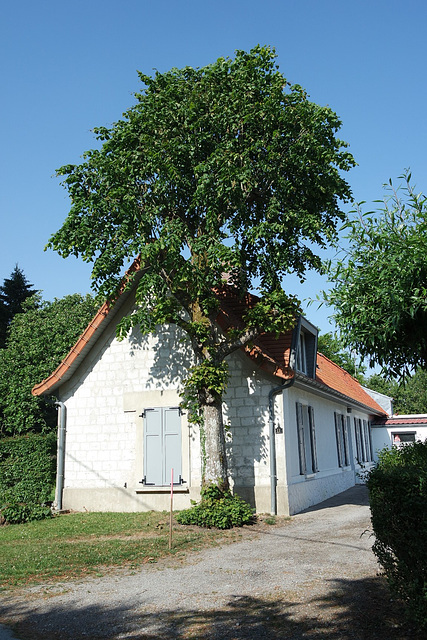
219 509
37 341
398 498
27 477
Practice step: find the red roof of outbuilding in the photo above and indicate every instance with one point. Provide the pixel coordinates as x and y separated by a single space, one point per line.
397 421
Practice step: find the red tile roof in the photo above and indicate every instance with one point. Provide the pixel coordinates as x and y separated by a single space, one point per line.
271 353
332 376
74 357
396 421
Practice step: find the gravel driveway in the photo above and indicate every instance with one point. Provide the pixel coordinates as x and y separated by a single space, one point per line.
314 577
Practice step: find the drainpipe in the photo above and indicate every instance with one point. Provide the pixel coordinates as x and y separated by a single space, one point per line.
273 471
61 453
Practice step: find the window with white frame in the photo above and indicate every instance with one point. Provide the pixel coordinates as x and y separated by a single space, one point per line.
306 432
304 348
401 438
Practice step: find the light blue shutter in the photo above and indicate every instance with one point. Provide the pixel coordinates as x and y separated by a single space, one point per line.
367 432
172 444
162 446
362 441
345 441
301 440
312 439
153 463
338 436
349 442
358 444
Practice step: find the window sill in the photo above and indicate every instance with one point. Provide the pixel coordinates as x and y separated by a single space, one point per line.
154 489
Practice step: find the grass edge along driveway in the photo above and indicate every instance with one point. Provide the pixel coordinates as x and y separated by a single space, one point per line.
78 544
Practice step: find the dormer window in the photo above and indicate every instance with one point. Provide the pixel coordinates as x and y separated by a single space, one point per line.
305 348
301 354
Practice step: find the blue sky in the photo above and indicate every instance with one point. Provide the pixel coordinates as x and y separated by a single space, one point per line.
67 67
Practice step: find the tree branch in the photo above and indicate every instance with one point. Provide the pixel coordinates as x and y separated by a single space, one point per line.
229 346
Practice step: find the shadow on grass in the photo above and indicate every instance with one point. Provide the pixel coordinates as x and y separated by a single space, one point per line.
351 610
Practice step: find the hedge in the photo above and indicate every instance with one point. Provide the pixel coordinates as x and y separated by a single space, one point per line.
27 477
398 499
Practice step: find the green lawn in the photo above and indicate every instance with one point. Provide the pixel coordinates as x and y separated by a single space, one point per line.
77 544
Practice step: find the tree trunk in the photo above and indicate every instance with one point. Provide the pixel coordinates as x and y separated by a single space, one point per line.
215 463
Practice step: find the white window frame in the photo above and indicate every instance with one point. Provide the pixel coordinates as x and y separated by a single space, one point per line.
400 442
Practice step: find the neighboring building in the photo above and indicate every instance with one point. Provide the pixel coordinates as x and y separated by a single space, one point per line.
398 430
298 426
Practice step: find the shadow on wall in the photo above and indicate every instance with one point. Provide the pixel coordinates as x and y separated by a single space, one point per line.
246 443
350 610
128 494
172 356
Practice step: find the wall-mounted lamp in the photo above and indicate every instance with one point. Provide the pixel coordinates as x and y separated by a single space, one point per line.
349 409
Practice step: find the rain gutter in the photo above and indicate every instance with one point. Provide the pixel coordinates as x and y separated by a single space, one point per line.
273 466
62 422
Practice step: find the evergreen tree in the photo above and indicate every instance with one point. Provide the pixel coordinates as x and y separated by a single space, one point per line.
13 292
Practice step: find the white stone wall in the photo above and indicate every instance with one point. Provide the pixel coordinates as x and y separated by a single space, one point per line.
246 411
104 429
104 440
331 479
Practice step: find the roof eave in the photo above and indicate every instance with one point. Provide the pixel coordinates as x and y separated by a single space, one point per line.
322 388
90 335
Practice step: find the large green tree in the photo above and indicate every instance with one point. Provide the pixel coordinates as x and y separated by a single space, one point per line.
225 169
409 396
13 292
379 290
38 339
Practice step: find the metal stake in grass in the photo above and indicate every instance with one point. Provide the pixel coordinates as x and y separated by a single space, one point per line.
170 519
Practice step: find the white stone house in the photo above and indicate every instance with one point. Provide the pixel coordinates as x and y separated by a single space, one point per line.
298 426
